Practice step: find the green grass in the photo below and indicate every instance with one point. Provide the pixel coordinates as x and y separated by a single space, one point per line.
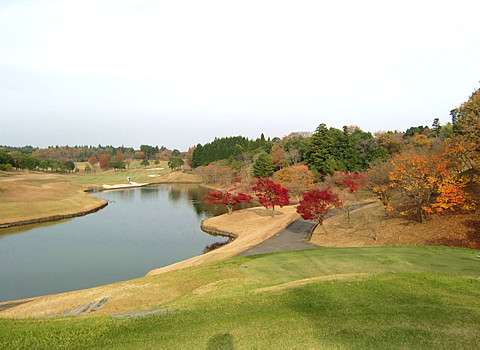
412 297
137 175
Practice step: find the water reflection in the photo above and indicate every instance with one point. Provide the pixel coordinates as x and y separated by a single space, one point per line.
141 229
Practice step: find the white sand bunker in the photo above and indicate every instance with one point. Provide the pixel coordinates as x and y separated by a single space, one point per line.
131 184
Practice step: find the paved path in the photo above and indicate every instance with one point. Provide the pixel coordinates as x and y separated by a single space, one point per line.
292 237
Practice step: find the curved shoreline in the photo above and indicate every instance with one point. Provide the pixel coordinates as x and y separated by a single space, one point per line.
249 227
54 217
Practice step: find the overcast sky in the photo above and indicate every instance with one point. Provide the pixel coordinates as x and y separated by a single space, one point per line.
176 73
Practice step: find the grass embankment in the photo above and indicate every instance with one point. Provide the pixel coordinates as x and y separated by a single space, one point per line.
378 297
34 195
449 229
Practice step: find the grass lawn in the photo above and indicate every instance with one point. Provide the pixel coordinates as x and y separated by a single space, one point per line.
371 297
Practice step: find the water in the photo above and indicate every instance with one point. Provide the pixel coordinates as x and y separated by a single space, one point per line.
141 229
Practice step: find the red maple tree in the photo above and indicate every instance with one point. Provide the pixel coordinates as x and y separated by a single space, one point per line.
316 203
271 194
227 199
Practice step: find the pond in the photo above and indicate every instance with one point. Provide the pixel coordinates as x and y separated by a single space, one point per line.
141 229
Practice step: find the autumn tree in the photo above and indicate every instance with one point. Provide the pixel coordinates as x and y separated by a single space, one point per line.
348 184
278 157
104 160
227 199
316 204
296 179
427 184
218 172
93 162
271 194
466 126
378 182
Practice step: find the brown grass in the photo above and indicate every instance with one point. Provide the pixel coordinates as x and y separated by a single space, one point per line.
449 229
33 196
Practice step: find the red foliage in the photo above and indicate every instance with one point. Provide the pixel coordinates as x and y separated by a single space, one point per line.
271 194
316 203
350 181
227 199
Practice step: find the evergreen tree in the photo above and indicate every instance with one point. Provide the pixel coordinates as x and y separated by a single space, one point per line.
263 166
320 149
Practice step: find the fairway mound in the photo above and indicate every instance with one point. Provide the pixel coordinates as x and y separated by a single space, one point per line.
297 283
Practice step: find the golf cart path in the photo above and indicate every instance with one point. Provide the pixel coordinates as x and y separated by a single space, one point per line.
293 237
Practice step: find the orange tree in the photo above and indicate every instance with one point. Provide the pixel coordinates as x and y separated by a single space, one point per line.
466 122
296 179
427 184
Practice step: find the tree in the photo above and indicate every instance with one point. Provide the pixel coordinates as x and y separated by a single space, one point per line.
93 161
296 179
319 153
139 155
175 163
69 165
316 204
149 151
116 164
378 182
227 199
271 194
104 160
436 126
348 184
466 127
263 166
145 163
428 184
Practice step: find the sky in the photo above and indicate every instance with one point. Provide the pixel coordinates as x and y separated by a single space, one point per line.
177 73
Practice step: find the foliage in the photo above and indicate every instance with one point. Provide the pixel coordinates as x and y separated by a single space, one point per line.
348 185
149 151
175 163
220 148
116 164
296 179
350 149
104 160
428 184
466 125
378 182
227 199
218 172
145 163
316 203
263 166
271 194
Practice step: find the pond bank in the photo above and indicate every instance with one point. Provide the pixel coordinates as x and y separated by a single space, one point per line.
54 217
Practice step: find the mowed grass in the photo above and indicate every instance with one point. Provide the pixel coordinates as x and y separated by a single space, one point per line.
139 175
33 195
376 297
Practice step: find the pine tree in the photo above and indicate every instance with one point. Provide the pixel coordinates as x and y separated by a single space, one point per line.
263 166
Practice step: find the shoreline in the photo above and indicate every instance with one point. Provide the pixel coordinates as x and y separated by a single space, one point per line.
54 217
247 227
250 226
